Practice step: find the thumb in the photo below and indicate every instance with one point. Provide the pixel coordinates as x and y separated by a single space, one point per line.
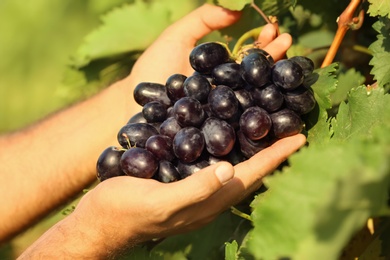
203 21
202 184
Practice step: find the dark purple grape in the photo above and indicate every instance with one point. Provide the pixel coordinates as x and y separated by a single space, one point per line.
189 112
269 97
249 147
137 118
167 172
206 56
188 144
174 86
197 87
306 64
145 92
139 162
207 76
287 74
161 147
187 169
301 100
228 74
169 127
154 112
286 123
256 69
223 102
262 52
255 123
170 112
108 163
219 136
244 98
136 134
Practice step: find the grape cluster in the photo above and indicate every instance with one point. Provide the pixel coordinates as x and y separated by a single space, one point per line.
227 109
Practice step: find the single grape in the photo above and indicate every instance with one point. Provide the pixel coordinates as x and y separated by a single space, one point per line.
174 86
255 123
262 52
206 56
154 112
219 136
209 77
188 112
135 134
228 74
108 163
301 100
223 102
167 172
256 69
139 162
197 87
249 147
170 127
145 92
287 74
245 98
306 64
186 169
269 97
188 144
137 118
286 123
161 147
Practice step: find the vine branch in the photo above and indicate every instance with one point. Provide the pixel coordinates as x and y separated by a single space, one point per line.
345 21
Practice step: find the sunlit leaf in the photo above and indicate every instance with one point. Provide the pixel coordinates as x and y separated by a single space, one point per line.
379 7
381 55
131 27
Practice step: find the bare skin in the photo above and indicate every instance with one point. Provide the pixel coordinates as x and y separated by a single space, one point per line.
53 160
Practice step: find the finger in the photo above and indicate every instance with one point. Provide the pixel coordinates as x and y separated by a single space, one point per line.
278 47
201 185
203 21
267 35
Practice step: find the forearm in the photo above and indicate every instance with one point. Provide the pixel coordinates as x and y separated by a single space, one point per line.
47 163
85 234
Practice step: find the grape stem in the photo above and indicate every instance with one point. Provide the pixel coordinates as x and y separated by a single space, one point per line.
254 34
239 213
254 6
345 21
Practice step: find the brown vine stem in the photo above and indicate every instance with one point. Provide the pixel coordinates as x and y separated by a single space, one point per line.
270 20
345 22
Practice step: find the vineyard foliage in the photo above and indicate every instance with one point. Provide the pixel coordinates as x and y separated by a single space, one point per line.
316 205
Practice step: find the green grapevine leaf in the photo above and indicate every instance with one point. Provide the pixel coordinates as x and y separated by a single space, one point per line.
121 29
364 111
314 207
231 250
269 7
381 55
379 8
323 81
234 4
346 81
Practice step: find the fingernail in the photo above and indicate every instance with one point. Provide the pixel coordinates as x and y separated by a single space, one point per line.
224 172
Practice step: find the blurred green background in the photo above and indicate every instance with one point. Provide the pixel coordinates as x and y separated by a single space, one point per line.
37 40
36 43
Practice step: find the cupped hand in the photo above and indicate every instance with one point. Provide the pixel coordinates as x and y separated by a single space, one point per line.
132 210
